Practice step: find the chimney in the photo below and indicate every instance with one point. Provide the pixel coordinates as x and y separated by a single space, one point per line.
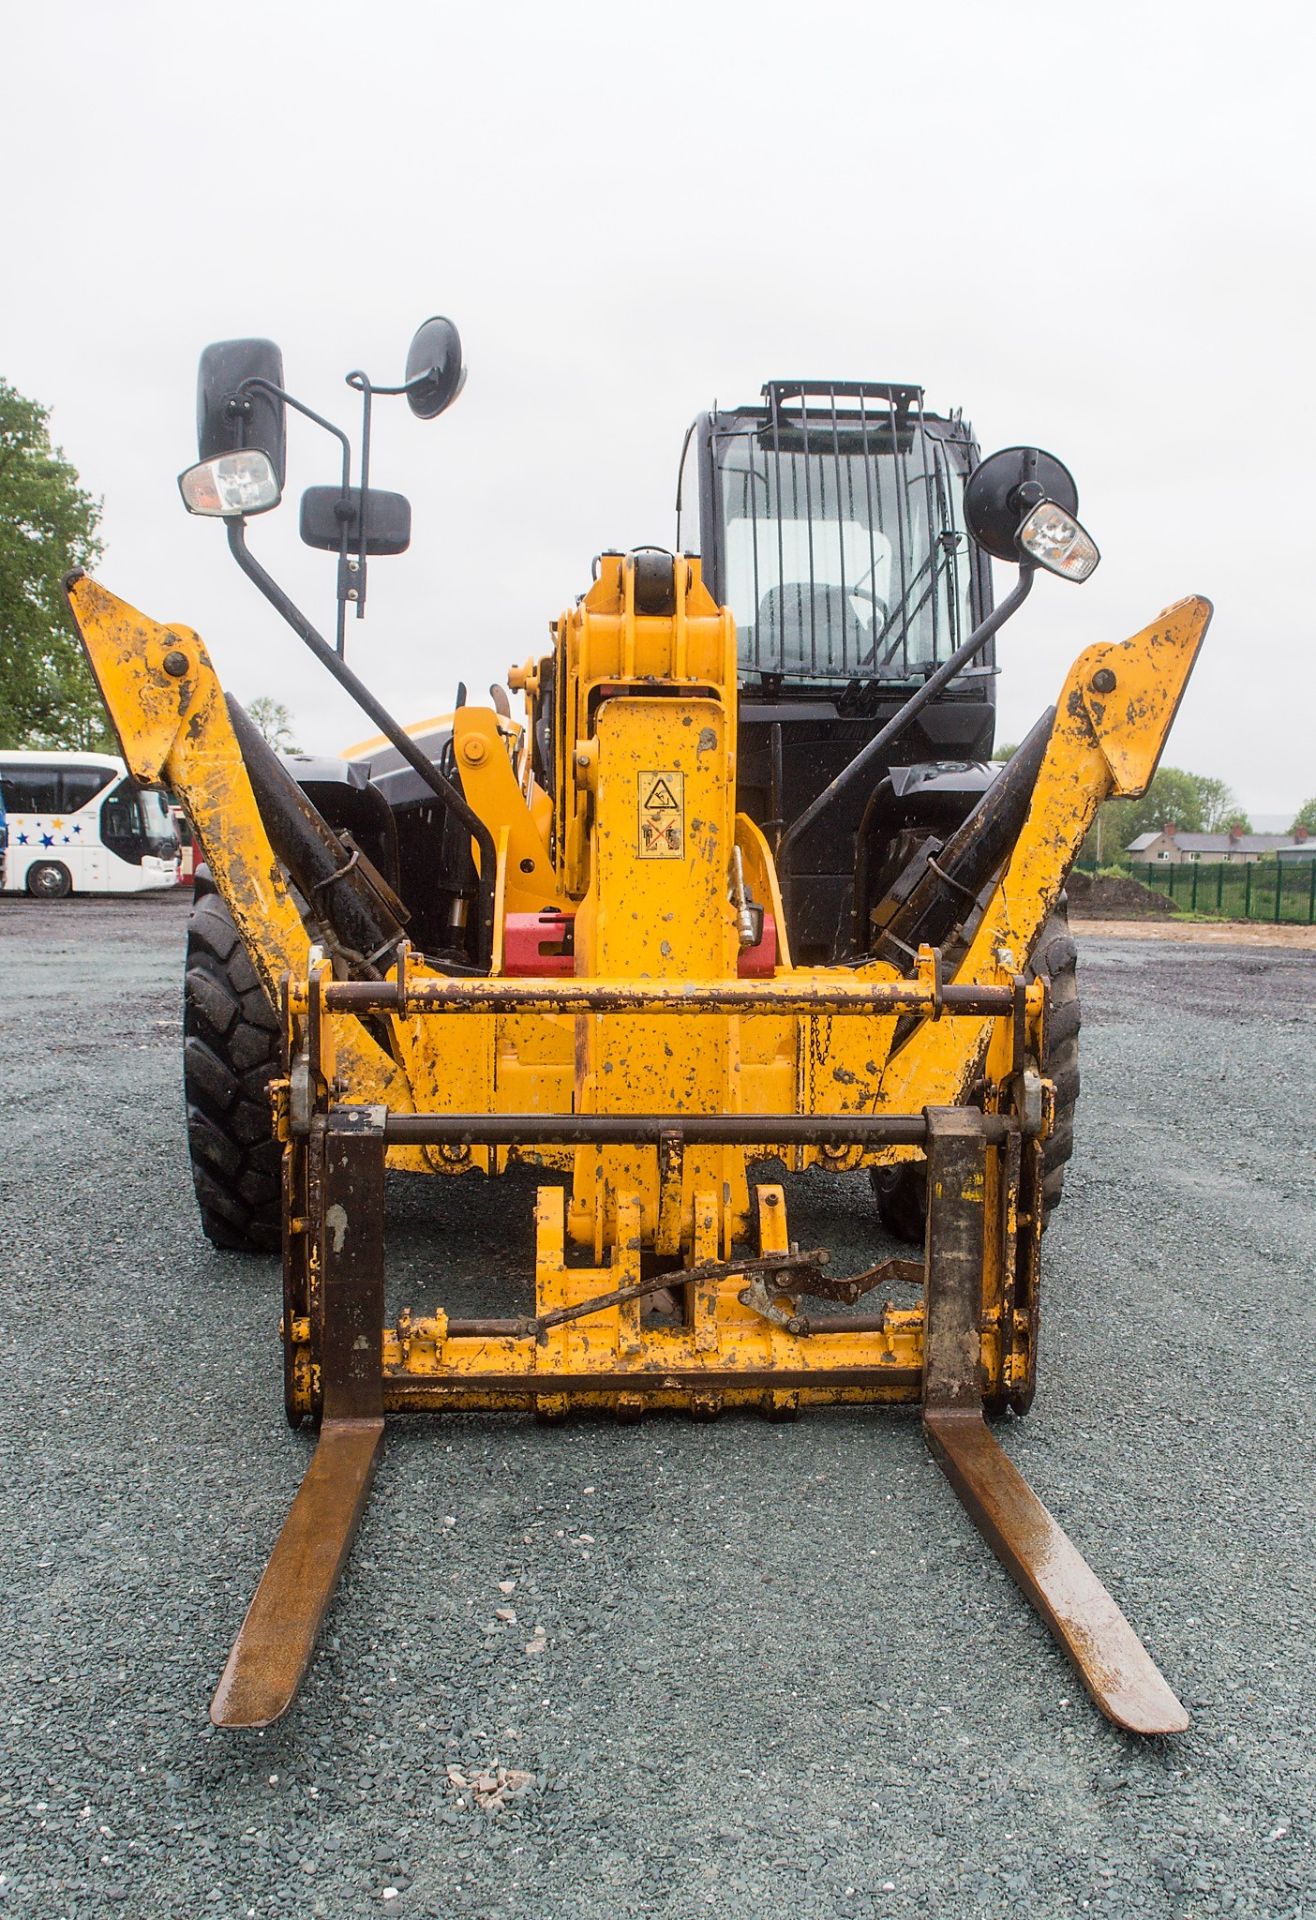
1169 829
1235 833
1299 834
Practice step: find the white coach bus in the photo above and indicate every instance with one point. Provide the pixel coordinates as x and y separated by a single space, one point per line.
78 824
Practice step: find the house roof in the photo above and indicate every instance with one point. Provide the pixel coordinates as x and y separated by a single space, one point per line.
1217 842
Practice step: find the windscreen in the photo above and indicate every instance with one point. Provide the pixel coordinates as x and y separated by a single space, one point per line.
136 821
31 786
846 555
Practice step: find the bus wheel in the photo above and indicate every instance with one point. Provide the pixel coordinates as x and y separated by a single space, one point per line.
48 880
231 1050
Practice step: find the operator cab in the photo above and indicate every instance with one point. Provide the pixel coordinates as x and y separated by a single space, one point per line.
832 524
831 520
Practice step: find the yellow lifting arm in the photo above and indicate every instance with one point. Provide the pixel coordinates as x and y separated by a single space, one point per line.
167 706
168 710
1112 720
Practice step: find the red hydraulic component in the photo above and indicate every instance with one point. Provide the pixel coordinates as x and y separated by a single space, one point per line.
536 945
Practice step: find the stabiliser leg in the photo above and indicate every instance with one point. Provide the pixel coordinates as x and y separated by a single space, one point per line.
273 1649
1112 1662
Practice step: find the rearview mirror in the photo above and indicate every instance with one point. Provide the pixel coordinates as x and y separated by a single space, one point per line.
325 511
231 417
435 374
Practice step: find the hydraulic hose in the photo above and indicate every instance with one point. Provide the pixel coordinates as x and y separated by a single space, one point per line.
898 722
451 795
315 857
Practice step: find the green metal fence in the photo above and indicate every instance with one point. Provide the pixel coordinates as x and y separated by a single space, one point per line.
1272 890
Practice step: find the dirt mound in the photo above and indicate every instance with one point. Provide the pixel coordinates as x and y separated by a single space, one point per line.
1102 897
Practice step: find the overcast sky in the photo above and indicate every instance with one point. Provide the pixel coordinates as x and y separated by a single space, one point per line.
1090 227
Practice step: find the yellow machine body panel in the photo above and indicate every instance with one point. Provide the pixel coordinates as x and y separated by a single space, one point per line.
645 827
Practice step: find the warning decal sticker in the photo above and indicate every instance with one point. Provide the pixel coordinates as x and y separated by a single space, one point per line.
662 815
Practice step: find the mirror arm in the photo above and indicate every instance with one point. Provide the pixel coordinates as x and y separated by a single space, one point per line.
408 386
450 794
361 382
309 413
898 722
365 386
299 406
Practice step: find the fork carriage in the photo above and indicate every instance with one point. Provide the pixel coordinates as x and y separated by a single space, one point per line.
741 1336
655 1198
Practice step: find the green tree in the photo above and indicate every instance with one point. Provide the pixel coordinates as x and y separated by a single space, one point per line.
1220 810
1173 798
48 525
273 722
1305 817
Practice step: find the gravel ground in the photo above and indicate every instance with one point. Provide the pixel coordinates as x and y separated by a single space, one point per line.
1217 933
781 1675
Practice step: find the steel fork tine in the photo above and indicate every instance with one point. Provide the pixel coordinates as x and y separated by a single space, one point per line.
273 1649
1112 1662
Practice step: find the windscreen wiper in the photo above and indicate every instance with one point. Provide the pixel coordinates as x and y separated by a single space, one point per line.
898 612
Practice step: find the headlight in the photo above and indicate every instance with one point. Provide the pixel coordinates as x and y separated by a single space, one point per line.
231 484
1057 542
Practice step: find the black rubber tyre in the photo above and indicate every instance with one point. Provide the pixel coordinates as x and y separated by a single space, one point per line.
901 1192
231 1051
49 880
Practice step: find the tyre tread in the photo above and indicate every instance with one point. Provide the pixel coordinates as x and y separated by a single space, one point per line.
901 1192
231 1052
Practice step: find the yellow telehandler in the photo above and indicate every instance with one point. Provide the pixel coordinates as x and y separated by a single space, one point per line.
740 887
